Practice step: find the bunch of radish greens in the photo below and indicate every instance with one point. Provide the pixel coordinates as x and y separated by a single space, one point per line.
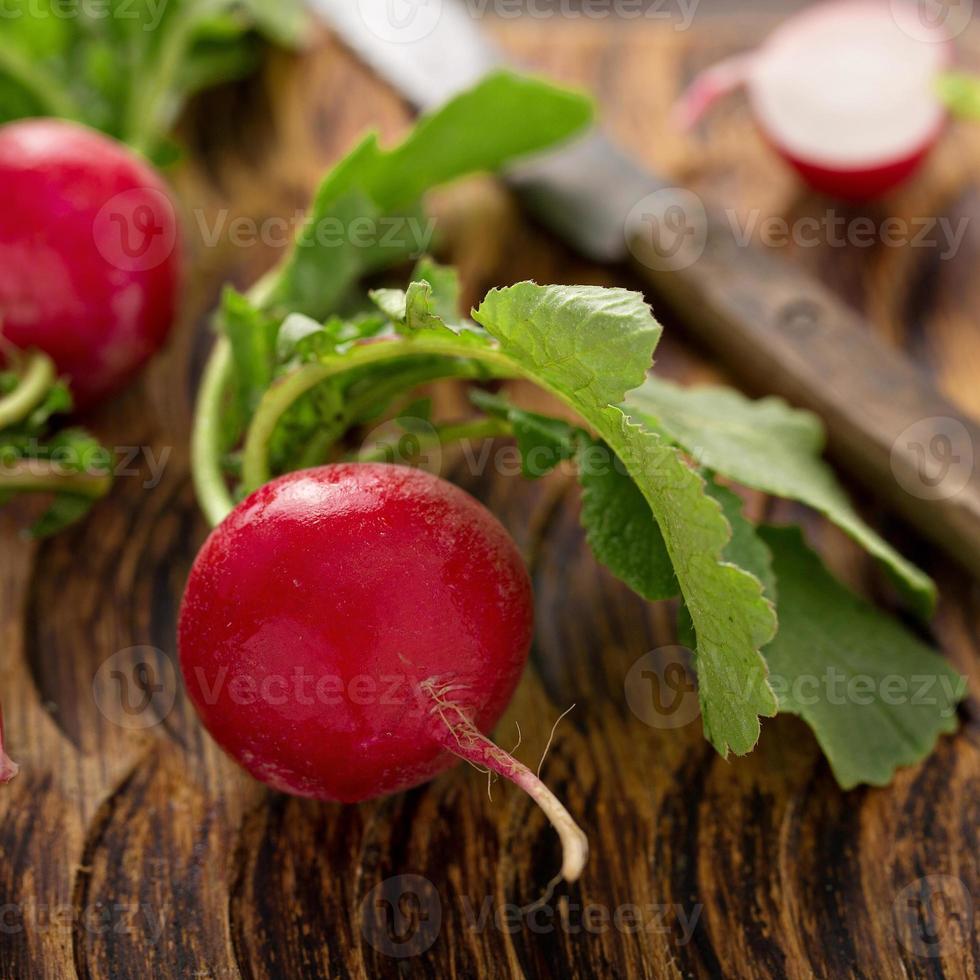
312 355
88 96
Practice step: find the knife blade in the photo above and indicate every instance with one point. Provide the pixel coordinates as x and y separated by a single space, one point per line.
775 327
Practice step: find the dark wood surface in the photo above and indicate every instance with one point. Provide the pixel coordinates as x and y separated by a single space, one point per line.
142 852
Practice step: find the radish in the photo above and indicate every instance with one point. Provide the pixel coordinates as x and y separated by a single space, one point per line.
352 630
8 768
846 92
89 253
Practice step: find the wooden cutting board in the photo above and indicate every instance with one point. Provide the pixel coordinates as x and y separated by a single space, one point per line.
130 847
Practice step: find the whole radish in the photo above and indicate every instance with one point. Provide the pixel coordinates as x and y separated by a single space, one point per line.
89 253
846 92
352 630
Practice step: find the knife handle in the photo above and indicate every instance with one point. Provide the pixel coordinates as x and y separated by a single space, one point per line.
782 332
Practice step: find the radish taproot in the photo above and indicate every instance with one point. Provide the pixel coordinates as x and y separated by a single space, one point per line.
89 253
352 630
846 92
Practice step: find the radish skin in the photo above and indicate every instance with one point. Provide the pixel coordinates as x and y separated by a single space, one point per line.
352 630
89 254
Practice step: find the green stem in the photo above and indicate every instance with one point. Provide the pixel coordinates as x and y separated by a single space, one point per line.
206 449
487 428
277 400
32 386
52 99
40 476
145 117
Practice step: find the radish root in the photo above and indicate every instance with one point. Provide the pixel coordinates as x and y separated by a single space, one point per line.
458 734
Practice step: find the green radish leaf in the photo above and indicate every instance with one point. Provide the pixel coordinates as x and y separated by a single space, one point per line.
746 549
771 447
128 66
377 192
37 457
65 510
590 346
544 442
960 93
620 527
876 697
445 295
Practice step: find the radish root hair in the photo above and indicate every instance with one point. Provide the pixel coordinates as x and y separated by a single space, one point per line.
459 735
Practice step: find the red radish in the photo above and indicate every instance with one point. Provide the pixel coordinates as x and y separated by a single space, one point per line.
8 768
845 92
89 253
350 631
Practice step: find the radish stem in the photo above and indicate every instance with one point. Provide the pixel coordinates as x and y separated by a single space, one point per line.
41 476
31 388
457 734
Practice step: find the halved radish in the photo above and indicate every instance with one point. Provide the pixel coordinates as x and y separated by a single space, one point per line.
845 92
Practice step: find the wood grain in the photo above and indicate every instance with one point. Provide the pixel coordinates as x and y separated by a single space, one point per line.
141 851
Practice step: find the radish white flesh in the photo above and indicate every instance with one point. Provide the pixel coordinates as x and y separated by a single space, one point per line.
844 91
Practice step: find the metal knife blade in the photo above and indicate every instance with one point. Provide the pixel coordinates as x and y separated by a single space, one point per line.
431 50
781 331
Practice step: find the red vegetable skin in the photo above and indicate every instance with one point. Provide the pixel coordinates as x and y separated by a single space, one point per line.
89 253
349 631
8 768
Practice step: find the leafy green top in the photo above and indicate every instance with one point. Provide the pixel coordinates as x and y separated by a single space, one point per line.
127 66
311 357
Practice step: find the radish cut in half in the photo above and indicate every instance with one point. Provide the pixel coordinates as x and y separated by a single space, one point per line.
846 92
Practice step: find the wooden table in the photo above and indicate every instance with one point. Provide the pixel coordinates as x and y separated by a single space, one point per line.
131 851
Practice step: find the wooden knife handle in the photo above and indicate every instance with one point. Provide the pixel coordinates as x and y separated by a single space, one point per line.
782 332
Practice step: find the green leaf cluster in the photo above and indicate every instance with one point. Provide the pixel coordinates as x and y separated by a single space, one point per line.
126 67
313 355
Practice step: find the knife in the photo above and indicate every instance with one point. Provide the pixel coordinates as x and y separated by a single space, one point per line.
779 330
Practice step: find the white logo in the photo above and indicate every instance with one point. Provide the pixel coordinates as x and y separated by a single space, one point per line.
660 688
667 230
933 458
402 916
934 21
136 688
934 916
401 21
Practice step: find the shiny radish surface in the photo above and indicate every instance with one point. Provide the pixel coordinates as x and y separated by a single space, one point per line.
89 253
349 631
